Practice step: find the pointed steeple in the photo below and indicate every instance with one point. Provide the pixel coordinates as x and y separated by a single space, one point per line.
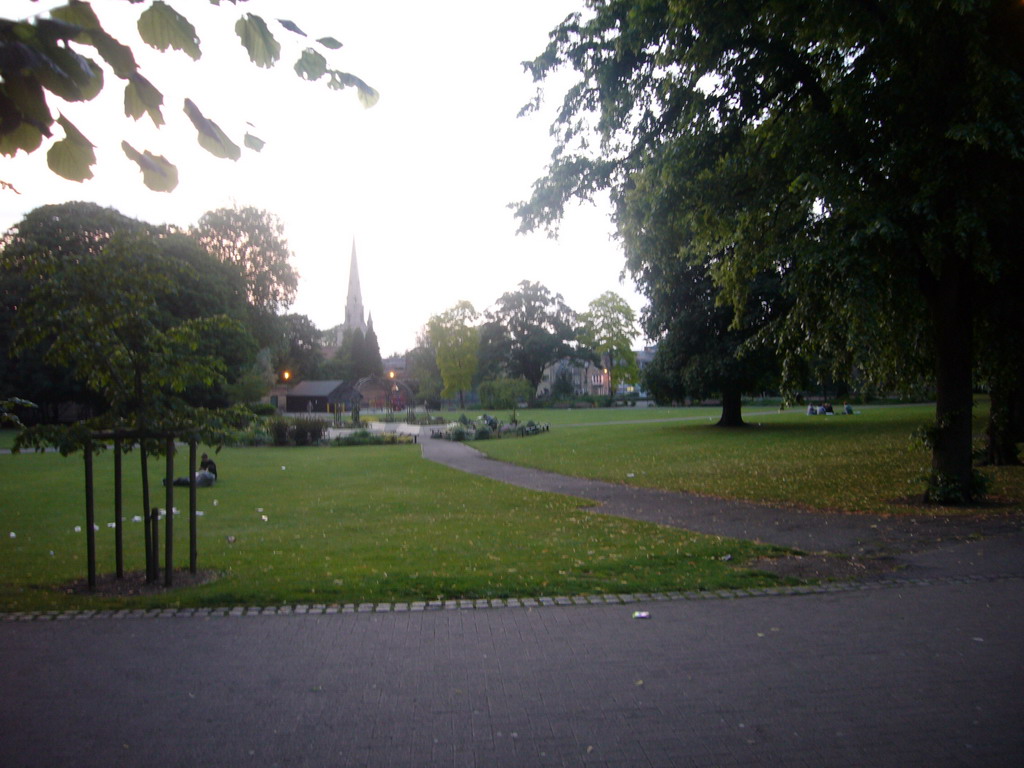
354 303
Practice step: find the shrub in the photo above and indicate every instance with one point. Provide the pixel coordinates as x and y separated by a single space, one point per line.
482 433
280 431
458 434
300 432
504 393
262 409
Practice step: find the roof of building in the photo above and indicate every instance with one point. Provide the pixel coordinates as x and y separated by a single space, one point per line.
314 388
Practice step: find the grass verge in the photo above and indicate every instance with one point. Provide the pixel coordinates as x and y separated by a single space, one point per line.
862 463
345 525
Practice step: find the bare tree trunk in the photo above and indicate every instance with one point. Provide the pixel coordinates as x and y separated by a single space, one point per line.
732 409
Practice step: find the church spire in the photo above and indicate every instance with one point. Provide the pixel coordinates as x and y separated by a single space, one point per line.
354 303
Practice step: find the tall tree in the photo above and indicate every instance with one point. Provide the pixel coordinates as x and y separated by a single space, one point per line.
254 242
608 327
456 343
371 361
538 330
66 54
57 233
422 373
102 317
300 352
866 152
52 239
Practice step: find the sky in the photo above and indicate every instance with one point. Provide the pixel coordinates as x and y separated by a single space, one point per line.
421 182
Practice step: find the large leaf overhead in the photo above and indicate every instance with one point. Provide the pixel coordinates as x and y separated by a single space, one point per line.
211 137
72 157
163 27
157 173
48 55
264 50
140 98
311 65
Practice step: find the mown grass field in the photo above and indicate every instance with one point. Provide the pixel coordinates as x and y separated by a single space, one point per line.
868 462
343 525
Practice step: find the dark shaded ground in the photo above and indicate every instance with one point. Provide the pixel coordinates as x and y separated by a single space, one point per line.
134 583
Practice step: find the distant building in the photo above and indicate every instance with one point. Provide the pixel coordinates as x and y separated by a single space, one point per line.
573 377
582 378
356 318
326 396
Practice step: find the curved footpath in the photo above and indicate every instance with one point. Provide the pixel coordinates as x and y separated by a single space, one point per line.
924 671
915 543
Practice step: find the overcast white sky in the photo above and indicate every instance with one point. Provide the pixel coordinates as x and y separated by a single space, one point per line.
421 181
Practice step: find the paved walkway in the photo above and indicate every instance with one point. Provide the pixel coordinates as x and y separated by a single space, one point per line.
921 673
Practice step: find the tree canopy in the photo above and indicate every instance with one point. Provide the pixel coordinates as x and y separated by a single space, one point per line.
868 154
530 328
456 342
67 53
608 327
254 242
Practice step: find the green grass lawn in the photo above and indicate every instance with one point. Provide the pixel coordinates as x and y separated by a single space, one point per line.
862 463
344 525
575 416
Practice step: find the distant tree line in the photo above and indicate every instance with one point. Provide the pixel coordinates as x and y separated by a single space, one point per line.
96 307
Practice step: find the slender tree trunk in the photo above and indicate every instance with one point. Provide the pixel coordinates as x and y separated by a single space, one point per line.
732 409
952 316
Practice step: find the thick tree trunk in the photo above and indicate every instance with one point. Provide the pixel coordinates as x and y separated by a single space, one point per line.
952 316
732 409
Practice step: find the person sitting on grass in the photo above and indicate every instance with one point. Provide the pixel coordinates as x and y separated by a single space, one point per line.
208 465
205 477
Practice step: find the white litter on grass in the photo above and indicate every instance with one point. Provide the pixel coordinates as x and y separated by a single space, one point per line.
259 509
95 527
14 535
78 529
199 513
265 518
137 519
630 474
111 525
282 467
215 502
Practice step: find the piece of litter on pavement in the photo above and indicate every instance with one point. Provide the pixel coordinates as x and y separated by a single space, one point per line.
641 614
